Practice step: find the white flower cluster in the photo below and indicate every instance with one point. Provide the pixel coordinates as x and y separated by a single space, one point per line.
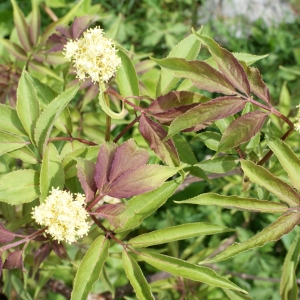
64 216
93 56
297 123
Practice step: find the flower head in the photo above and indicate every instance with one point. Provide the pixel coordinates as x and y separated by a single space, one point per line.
64 215
93 56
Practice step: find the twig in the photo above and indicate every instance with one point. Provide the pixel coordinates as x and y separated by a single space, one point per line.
49 12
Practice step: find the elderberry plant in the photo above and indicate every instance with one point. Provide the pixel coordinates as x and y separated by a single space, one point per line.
92 189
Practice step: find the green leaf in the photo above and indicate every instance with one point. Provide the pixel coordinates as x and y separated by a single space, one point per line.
176 233
283 225
185 151
288 159
234 295
52 172
241 130
20 186
35 23
204 113
141 206
288 284
27 104
227 63
127 80
25 154
285 100
179 267
209 138
188 48
89 269
10 142
136 277
220 164
249 59
14 49
10 121
49 115
273 184
42 69
21 26
200 73
235 202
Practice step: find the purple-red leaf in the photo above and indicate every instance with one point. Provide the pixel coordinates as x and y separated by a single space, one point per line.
242 130
127 156
14 261
40 256
112 212
154 133
1 266
59 250
64 30
204 113
200 73
103 164
56 42
227 63
257 86
14 49
140 180
80 25
85 174
166 108
5 235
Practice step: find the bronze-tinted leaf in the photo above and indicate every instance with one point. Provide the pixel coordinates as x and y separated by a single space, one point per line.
40 255
80 25
128 156
5 235
111 212
154 134
242 130
59 250
103 164
14 261
210 111
85 174
257 86
227 63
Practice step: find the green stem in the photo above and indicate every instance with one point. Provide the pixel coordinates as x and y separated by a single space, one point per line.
108 118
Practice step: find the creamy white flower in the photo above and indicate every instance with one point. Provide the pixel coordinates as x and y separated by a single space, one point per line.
93 56
64 215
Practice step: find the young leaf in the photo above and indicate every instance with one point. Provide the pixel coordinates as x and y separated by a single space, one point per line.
179 267
136 277
227 63
89 269
40 255
288 284
234 295
126 79
112 213
154 134
49 115
85 174
140 180
241 130
25 154
27 104
52 172
210 111
14 261
249 59
19 187
285 100
288 159
140 207
10 142
235 202
257 86
283 225
200 73
188 48
273 184
176 233
10 121
35 23
220 164
5 235
14 49
21 26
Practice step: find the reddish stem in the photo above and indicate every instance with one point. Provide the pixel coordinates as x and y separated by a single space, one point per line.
126 129
71 139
